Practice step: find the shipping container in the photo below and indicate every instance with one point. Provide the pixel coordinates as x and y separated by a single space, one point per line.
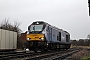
8 40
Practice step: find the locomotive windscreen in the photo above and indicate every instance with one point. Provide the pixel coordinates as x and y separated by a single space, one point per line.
36 28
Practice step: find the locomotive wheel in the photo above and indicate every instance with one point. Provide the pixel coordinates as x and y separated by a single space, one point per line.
35 50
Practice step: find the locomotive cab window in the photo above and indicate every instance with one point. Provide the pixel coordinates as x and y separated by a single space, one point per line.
67 38
47 28
59 36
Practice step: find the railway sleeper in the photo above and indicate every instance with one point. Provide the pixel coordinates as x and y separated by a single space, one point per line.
12 55
65 55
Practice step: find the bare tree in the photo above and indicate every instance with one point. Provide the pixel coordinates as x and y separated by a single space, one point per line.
5 24
16 27
8 26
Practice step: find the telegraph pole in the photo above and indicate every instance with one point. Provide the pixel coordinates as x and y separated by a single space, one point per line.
89 6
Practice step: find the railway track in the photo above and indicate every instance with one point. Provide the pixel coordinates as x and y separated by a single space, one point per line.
50 55
53 56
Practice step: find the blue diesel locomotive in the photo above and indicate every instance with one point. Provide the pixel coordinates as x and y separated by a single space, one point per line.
43 36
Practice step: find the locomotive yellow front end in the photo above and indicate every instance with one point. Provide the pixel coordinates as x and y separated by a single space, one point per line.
35 37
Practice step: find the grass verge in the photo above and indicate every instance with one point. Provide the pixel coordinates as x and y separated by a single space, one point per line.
86 58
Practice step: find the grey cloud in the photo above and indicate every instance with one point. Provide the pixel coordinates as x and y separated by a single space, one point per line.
70 15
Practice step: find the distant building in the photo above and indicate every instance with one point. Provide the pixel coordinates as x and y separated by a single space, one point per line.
23 36
22 40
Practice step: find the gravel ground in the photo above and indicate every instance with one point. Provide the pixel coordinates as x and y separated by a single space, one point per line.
79 55
75 56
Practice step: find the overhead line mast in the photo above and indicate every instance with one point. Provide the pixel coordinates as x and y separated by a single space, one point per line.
89 6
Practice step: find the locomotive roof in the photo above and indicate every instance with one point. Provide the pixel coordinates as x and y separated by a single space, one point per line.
42 22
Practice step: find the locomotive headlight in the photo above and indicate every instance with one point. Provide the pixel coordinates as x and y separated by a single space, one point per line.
27 32
42 38
27 38
47 43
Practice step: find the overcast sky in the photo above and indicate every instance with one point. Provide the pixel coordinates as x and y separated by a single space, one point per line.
69 15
